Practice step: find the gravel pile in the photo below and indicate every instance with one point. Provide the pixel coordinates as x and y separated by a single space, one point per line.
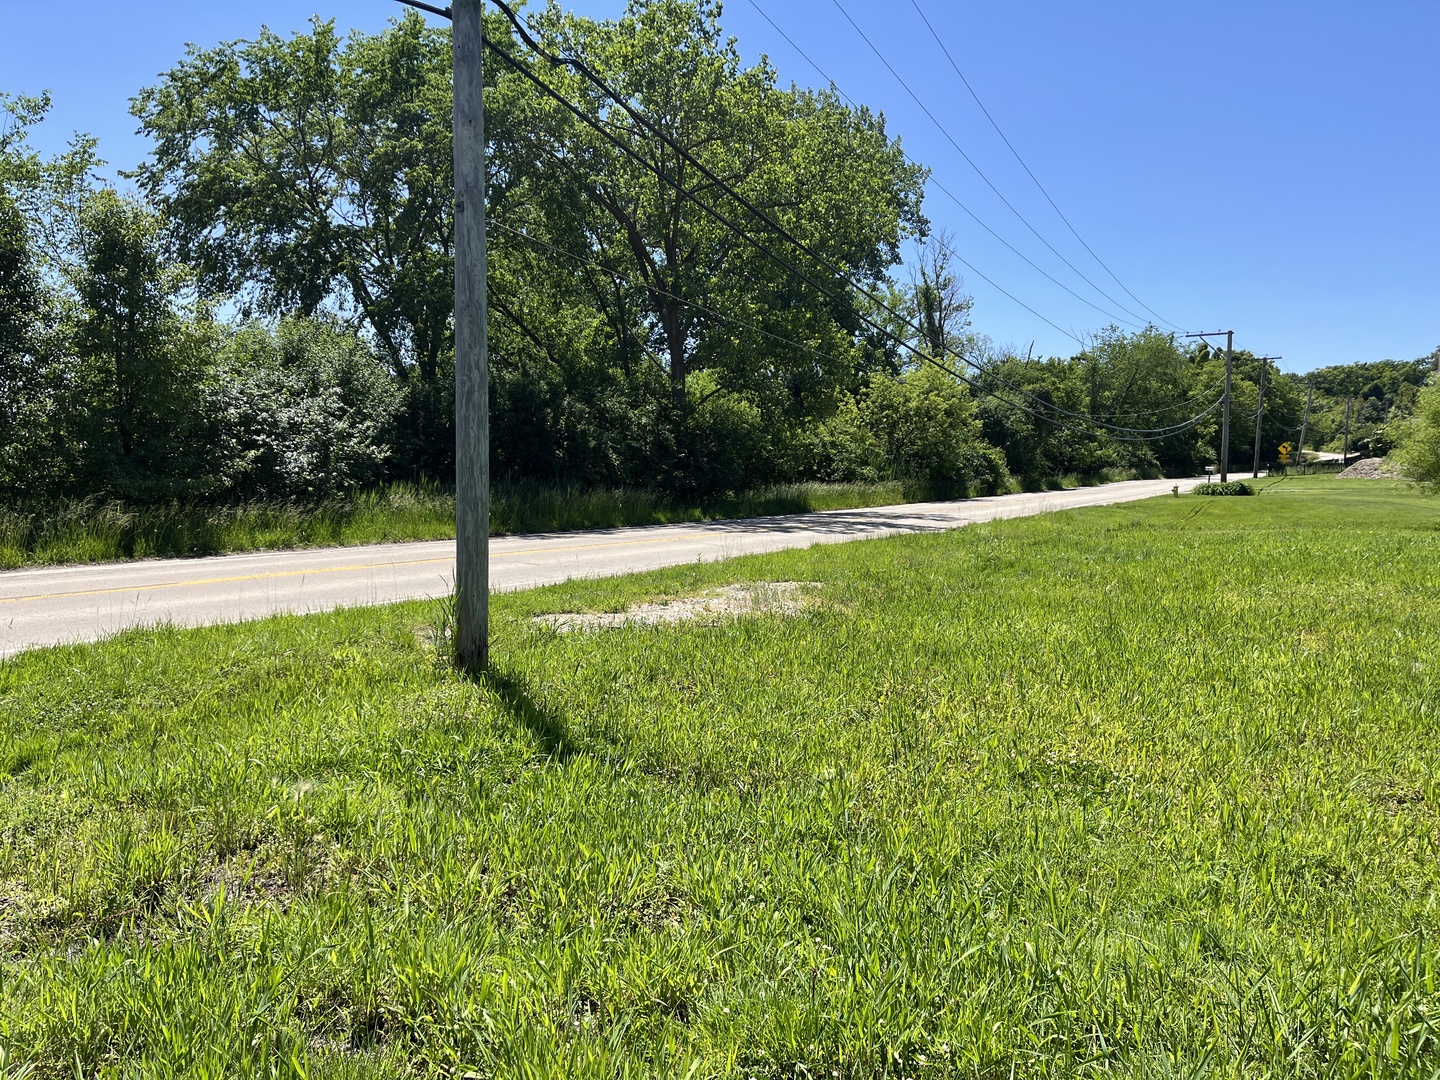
1370 468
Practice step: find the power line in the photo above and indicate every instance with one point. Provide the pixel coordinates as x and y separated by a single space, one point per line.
1026 167
584 69
644 124
444 13
969 161
976 386
622 277
1123 434
619 276
1179 405
1157 433
956 199
973 384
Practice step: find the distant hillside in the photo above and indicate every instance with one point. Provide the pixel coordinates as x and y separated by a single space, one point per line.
1382 391
1378 380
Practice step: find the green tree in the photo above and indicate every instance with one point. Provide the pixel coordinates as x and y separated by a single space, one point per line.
689 297
313 173
139 406
1040 444
938 308
306 411
925 427
19 302
39 210
1147 380
1419 453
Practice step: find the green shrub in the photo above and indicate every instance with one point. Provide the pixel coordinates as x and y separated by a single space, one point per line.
1419 452
1234 487
919 430
308 412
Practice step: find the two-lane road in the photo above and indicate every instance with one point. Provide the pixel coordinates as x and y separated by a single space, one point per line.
85 603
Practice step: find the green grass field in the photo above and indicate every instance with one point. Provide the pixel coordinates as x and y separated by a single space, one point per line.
1147 791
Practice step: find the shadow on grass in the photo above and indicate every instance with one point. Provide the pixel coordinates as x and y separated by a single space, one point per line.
515 696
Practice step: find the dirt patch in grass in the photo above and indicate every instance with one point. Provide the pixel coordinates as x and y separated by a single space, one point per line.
714 605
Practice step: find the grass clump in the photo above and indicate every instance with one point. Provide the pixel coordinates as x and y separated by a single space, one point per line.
1111 791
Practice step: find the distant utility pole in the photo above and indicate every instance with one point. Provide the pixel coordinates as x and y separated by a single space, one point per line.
1225 420
1260 414
472 373
1305 424
1345 457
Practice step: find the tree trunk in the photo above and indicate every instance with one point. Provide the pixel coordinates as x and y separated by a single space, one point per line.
675 343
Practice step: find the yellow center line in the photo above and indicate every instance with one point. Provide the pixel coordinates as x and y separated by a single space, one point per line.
338 569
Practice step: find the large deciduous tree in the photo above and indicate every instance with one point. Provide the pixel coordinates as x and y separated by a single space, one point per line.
19 299
313 172
40 201
698 296
1419 453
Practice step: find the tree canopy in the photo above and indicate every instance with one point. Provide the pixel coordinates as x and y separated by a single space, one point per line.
722 282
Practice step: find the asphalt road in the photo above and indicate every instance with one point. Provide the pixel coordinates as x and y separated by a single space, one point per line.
85 603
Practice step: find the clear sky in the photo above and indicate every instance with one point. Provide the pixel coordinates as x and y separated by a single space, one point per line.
1268 166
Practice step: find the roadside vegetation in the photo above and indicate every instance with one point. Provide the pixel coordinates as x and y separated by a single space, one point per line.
1147 790
1382 396
94 530
1233 487
189 342
1418 438
98 530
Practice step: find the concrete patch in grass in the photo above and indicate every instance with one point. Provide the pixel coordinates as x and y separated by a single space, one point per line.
713 605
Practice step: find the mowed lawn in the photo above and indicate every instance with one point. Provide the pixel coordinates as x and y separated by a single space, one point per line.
1140 791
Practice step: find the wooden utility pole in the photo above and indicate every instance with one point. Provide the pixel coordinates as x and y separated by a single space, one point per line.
1225 418
472 375
1225 423
1260 414
1345 457
1305 424
472 367
1259 421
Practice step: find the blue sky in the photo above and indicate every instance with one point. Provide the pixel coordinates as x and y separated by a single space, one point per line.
1271 167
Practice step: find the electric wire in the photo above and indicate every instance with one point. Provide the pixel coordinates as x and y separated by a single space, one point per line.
622 277
431 8
923 18
973 384
950 194
970 161
1179 405
977 386
584 69
1118 432
1152 433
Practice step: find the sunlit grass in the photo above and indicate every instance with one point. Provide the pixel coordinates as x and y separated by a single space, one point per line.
1140 791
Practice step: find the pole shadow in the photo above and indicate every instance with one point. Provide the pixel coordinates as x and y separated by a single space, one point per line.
518 700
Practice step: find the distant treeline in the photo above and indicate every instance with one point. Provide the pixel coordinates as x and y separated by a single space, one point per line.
267 314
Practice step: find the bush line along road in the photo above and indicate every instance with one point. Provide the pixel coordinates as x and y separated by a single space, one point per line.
81 603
